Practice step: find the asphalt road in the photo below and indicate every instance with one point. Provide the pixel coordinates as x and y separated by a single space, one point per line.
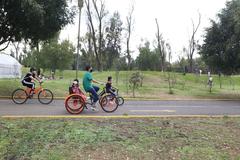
134 108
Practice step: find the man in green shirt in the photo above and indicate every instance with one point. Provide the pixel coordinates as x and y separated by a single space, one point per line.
88 87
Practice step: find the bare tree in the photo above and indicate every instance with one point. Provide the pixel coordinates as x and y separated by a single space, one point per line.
6 46
170 80
160 46
193 42
100 14
16 46
129 33
129 29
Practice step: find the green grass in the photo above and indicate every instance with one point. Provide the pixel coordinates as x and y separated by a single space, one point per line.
155 85
153 138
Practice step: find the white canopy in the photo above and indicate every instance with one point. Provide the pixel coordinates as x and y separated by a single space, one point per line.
9 67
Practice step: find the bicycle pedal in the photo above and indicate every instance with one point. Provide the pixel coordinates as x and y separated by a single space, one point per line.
30 96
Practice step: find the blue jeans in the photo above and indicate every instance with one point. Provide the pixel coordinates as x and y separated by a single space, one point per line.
94 91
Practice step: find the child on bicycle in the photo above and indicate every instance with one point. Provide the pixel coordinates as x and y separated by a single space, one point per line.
109 88
29 79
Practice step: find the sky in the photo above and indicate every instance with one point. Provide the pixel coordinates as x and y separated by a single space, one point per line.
174 17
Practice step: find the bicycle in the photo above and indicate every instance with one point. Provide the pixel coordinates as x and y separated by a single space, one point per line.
20 96
75 103
120 99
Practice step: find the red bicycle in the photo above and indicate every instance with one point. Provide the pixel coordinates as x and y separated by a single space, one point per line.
75 103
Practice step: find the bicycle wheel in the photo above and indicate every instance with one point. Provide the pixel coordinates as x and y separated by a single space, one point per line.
19 96
120 101
101 97
109 103
45 96
74 104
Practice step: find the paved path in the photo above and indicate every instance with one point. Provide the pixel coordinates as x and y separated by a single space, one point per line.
134 108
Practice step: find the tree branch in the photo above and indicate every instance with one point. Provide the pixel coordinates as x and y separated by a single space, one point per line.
5 46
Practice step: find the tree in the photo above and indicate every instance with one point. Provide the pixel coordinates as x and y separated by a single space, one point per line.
113 41
193 42
56 56
135 81
147 59
221 47
129 29
88 54
160 47
30 59
32 20
52 56
97 40
16 47
170 79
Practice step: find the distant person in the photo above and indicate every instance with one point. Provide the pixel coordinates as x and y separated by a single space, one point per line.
209 74
88 87
29 79
53 75
210 79
210 83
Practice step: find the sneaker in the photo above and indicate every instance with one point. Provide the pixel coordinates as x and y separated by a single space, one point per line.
94 109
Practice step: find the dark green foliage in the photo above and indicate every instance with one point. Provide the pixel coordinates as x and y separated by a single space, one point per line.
112 49
32 20
52 56
221 48
182 65
147 59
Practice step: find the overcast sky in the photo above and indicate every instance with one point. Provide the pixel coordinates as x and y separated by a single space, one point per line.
174 18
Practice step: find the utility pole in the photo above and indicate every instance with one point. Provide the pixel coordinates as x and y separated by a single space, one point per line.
80 6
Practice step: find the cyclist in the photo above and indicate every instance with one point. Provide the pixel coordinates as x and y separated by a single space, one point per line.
109 88
29 79
88 87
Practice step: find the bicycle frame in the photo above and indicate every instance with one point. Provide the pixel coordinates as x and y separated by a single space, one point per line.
35 91
38 89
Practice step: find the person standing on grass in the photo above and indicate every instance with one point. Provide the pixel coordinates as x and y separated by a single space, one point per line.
88 87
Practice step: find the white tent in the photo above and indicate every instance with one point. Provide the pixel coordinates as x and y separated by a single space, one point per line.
9 67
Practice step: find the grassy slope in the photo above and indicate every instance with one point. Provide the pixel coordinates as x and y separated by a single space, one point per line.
155 85
120 139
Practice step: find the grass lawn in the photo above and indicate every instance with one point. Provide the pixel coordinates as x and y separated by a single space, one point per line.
155 85
152 138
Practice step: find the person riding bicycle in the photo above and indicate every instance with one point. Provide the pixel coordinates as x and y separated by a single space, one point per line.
109 88
88 87
29 79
